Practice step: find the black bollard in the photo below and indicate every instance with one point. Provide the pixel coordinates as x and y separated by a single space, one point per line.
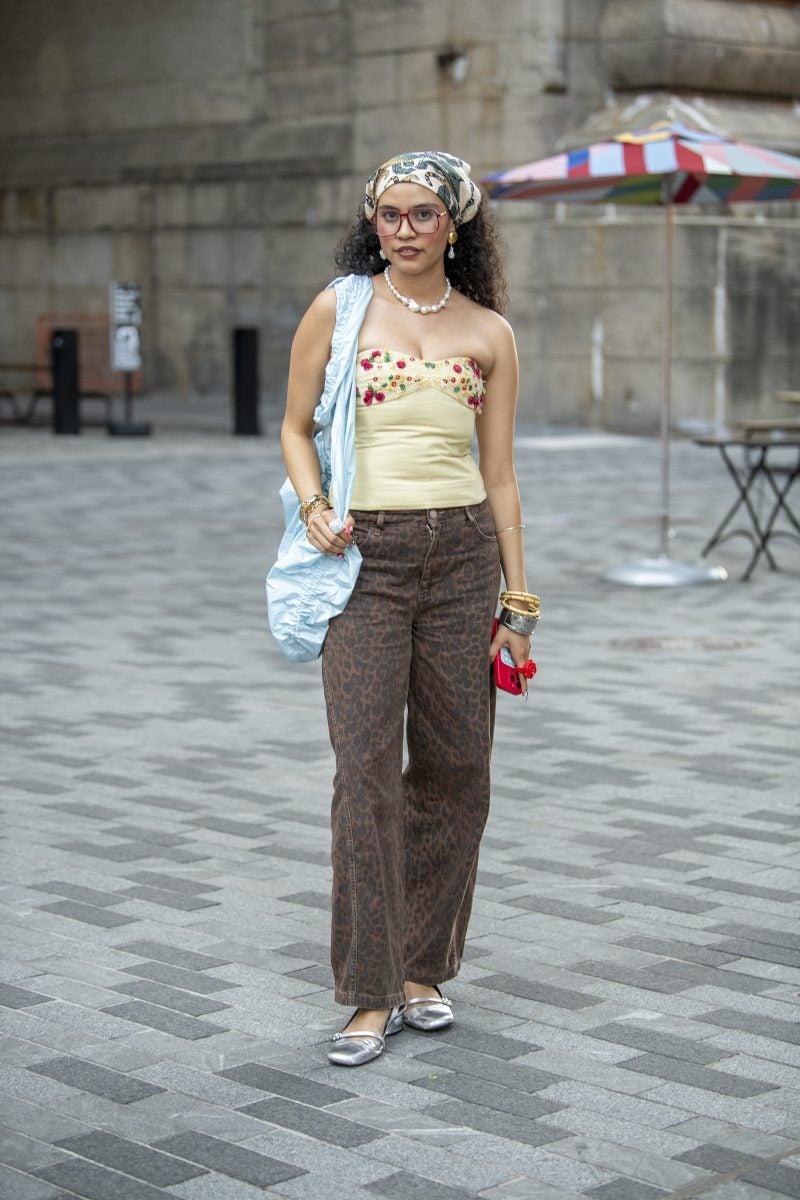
245 381
64 364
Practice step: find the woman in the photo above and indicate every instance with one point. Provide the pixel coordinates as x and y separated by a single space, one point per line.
434 529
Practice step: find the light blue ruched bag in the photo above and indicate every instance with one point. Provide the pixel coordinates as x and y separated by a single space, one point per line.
305 587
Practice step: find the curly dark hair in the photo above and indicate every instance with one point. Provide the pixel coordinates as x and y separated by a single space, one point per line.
476 271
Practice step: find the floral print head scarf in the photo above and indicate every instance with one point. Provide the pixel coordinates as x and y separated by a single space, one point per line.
444 174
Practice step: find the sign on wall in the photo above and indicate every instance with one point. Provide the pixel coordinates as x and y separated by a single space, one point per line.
125 307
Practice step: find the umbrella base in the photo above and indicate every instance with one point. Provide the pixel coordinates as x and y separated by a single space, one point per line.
663 572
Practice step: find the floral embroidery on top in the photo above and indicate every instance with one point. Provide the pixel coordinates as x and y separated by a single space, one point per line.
383 372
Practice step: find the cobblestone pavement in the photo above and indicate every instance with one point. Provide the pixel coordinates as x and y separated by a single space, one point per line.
627 1018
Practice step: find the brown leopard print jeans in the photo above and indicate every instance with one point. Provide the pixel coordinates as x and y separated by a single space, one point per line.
413 638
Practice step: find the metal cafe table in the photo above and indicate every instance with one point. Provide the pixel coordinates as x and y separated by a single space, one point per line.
763 480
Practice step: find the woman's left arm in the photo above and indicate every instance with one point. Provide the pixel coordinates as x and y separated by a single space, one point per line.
495 429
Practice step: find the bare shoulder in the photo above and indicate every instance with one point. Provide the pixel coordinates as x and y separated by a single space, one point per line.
498 331
321 312
494 333
318 322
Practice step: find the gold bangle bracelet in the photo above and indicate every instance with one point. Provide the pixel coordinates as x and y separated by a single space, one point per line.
521 612
310 501
521 596
531 602
318 506
508 528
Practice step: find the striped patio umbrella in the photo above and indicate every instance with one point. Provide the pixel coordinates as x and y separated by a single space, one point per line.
667 163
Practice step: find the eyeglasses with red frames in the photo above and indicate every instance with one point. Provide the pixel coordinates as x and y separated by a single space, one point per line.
422 219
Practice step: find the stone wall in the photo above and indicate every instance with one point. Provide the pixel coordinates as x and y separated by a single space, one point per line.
214 149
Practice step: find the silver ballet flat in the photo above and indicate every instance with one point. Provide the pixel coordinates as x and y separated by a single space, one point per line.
353 1049
425 1013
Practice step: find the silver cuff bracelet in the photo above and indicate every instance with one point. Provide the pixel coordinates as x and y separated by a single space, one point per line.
518 623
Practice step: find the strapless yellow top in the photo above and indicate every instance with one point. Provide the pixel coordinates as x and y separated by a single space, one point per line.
415 422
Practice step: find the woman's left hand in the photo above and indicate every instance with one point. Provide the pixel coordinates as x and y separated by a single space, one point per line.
518 643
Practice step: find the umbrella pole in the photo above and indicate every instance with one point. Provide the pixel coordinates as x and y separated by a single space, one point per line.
664 571
666 371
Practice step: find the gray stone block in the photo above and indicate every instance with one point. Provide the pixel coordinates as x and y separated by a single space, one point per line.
314 1122
631 1163
226 1159
759 951
176 956
244 829
756 1112
319 900
494 1044
642 1111
764 1026
97 1183
87 913
626 1189
16 997
758 933
481 1066
680 1071
66 1026
87 895
130 1158
719 1159
570 870
281 1083
543 993
403 1185
221 1187
520 1189
18 1185
527 1131
88 1077
145 833
166 1019
775 1177
642 977
682 951
120 852
166 898
643 1038
25 1153
673 901
739 888
489 1095
96 812
168 997
565 909
190 981
195 1081
174 883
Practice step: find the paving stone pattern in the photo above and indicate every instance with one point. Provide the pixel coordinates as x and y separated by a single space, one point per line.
627 1015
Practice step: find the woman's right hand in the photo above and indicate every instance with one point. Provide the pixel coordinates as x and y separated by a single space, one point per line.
322 537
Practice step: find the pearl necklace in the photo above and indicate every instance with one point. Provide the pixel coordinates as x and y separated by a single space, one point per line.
412 305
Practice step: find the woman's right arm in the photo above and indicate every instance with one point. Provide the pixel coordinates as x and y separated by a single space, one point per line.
311 350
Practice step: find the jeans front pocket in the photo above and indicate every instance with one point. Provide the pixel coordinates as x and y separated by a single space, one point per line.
481 521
